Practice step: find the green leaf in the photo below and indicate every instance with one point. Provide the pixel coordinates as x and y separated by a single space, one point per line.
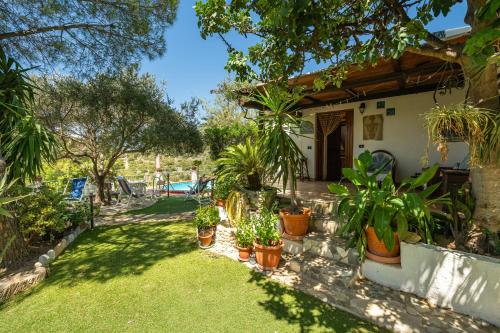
353 176
402 225
424 177
338 189
429 190
388 239
382 217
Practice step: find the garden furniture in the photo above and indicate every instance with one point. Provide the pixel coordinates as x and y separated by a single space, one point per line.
129 190
76 188
380 157
198 191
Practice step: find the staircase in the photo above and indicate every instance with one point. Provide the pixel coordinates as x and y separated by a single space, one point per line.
327 271
321 240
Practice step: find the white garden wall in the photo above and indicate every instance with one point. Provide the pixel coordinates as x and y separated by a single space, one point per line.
403 134
464 282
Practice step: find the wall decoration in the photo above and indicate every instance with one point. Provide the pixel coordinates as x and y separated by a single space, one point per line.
373 127
390 111
380 104
306 127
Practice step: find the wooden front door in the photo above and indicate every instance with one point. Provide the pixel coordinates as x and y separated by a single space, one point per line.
339 149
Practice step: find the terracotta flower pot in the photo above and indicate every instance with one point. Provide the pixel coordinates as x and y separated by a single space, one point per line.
244 253
378 251
205 237
296 224
268 257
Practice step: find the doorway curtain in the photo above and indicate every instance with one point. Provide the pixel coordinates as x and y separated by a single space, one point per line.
329 122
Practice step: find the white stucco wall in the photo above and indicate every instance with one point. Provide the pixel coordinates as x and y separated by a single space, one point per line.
403 134
464 282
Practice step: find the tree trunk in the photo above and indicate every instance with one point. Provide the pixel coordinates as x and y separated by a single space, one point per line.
293 190
17 249
483 85
11 239
486 190
101 187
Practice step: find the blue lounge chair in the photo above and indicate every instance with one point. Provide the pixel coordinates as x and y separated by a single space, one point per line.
74 189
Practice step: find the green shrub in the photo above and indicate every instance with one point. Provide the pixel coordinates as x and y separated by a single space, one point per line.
45 214
266 232
245 233
224 186
206 217
383 205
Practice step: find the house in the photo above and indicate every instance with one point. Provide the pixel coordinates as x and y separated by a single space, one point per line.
379 107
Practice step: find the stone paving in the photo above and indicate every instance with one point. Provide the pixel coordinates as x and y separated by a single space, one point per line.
113 215
333 282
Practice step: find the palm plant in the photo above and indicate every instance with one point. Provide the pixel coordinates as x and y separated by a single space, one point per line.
279 125
4 200
24 142
243 162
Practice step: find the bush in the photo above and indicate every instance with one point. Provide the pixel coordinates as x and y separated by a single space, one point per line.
45 214
224 186
244 233
206 217
220 137
266 232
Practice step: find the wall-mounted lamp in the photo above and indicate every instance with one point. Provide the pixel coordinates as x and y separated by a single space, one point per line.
362 108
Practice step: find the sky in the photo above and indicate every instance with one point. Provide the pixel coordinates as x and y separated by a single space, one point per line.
192 67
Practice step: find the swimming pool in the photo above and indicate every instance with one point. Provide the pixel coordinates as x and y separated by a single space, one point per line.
182 186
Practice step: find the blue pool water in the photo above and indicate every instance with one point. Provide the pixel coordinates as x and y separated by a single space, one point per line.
182 186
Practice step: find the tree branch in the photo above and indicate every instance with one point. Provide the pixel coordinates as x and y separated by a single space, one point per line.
447 54
24 33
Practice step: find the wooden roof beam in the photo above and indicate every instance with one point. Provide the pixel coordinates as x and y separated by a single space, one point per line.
396 64
383 94
350 92
312 99
422 70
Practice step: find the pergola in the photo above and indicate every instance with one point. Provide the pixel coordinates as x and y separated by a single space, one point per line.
411 73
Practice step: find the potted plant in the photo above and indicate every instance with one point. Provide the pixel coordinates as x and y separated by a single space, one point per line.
244 163
244 239
282 155
378 215
206 219
223 186
267 244
480 130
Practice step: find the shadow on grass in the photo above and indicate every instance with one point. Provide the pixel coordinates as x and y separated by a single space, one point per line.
308 312
170 205
109 252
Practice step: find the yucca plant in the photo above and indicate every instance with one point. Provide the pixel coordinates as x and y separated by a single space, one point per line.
279 125
24 142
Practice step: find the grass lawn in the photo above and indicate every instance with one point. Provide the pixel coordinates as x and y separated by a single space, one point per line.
152 278
164 205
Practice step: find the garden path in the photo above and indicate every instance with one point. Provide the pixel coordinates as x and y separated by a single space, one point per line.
333 284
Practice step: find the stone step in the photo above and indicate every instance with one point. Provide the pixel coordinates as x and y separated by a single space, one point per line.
322 245
329 246
325 225
328 271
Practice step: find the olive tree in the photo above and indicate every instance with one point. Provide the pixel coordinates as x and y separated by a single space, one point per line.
84 36
109 115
